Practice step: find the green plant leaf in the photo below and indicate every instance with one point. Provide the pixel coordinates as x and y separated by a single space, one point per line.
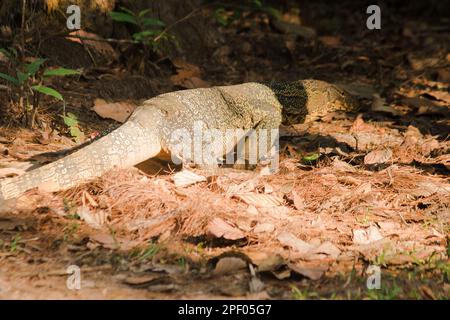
152 22
312 157
22 77
143 12
138 36
75 132
128 11
9 78
123 17
48 91
257 3
33 67
70 120
60 72
10 52
221 17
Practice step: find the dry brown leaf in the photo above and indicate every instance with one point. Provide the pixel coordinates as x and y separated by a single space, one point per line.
119 111
188 75
271 263
260 200
299 202
428 106
229 264
330 41
288 239
329 249
435 233
427 188
428 146
418 102
264 228
324 250
231 189
378 156
265 261
443 159
360 126
287 188
141 279
95 220
379 105
220 228
313 273
366 236
364 188
194 82
359 90
186 178
87 197
181 64
441 110
340 165
389 227
101 47
281 273
439 95
109 242
252 210
427 292
349 180
268 188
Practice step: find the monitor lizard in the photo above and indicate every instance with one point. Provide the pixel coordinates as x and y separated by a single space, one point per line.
147 132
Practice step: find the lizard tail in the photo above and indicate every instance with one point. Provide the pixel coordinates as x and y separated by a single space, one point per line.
125 147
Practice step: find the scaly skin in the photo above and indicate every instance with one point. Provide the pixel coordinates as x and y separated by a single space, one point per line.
148 131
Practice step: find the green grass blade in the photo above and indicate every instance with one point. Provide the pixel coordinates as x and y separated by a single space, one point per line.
48 91
123 17
9 78
33 67
60 72
22 77
152 22
143 12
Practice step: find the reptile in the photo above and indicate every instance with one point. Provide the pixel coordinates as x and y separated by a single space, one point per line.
147 132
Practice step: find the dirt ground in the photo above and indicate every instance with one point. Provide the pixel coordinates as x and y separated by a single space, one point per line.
357 198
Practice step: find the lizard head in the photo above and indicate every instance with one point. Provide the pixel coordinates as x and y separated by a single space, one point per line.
306 100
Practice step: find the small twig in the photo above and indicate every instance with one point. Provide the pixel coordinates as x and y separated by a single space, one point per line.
186 17
102 39
22 30
36 97
89 53
403 219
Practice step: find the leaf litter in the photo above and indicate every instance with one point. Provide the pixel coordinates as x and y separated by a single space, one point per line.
377 190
